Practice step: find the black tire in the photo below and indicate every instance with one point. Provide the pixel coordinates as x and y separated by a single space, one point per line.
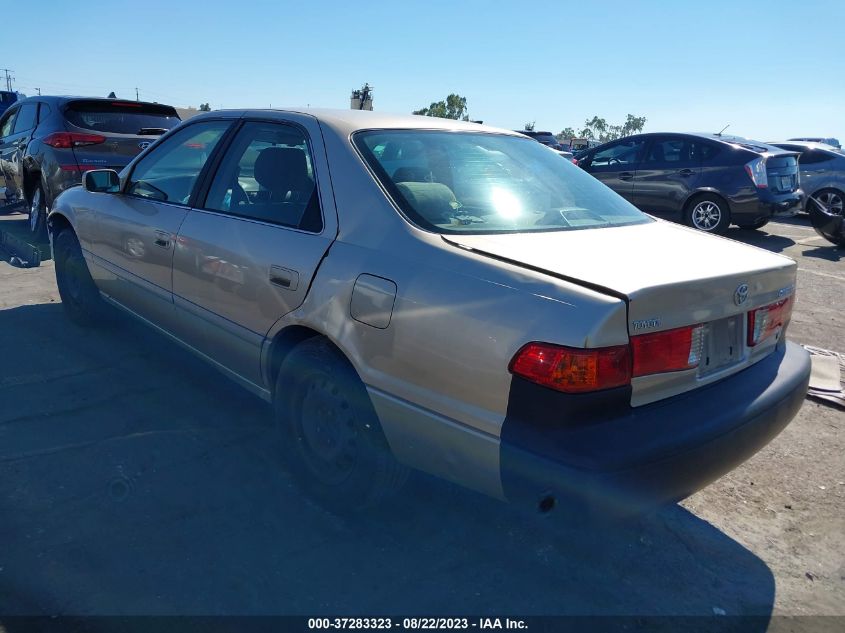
333 442
80 297
827 215
37 214
708 213
759 224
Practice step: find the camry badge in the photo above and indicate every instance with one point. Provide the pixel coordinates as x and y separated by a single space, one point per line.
741 294
145 144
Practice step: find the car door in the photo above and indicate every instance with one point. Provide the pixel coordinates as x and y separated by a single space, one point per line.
133 235
14 146
247 255
7 148
615 164
669 171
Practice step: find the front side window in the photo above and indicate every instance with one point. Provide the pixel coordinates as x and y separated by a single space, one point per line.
621 155
474 182
268 175
6 122
168 173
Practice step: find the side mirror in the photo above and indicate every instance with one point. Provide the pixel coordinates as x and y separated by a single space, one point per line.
102 181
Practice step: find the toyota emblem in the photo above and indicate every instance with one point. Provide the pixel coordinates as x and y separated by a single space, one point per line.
741 294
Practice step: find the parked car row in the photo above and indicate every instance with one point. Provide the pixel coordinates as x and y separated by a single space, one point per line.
416 292
707 181
47 143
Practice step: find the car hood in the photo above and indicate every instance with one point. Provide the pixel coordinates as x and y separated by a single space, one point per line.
666 272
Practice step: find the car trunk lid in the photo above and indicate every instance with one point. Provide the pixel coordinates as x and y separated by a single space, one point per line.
670 277
126 129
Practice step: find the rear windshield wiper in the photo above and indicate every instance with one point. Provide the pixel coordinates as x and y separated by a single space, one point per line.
151 131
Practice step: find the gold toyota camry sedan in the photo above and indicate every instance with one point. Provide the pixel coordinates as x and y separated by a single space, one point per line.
412 292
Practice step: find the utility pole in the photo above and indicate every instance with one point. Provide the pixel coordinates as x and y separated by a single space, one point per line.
136 94
9 78
39 91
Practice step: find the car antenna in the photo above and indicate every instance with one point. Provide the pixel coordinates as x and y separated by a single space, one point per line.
719 133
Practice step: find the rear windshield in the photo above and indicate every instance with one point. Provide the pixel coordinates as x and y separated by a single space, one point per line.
456 182
119 117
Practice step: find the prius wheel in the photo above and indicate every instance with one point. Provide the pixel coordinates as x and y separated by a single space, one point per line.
38 214
333 440
709 214
832 200
80 297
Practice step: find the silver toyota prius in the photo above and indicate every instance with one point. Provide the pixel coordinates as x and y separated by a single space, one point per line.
412 292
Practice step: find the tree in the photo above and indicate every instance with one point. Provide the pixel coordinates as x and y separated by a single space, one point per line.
566 134
529 127
599 129
454 107
204 107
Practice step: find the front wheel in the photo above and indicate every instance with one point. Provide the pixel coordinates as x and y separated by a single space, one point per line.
708 213
38 214
827 214
333 441
80 297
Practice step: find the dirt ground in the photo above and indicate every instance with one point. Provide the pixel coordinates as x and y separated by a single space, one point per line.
136 480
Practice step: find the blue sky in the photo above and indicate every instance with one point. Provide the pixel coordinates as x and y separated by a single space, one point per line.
771 68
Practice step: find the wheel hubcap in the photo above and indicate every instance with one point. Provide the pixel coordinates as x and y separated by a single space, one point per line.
706 216
34 210
832 202
329 440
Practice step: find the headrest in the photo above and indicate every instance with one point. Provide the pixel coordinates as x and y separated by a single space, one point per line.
277 167
432 200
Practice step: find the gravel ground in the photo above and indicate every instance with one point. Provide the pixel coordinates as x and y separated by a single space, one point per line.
136 480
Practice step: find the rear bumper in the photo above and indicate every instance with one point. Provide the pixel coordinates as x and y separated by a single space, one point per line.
766 205
655 454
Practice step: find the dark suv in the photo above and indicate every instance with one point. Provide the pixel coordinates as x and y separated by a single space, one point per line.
706 181
47 143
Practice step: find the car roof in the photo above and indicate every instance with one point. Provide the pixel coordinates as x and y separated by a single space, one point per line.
750 145
807 144
346 122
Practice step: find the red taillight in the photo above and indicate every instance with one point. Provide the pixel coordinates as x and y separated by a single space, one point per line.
574 161
573 370
670 350
67 140
765 321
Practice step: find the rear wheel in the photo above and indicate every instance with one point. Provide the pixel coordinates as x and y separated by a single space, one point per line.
80 297
38 214
708 213
333 441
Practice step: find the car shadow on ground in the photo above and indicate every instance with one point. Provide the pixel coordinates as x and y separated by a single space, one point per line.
18 226
774 243
831 253
134 479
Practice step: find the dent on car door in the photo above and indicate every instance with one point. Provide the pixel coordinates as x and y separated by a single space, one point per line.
616 165
133 235
247 256
669 171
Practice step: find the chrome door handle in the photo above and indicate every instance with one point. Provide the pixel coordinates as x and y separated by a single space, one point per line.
686 172
284 278
163 239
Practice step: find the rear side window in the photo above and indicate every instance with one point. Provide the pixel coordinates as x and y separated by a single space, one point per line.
706 151
27 116
168 173
44 111
118 117
814 156
674 151
268 175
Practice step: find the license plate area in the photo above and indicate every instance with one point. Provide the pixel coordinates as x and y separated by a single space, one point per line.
722 346
786 183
